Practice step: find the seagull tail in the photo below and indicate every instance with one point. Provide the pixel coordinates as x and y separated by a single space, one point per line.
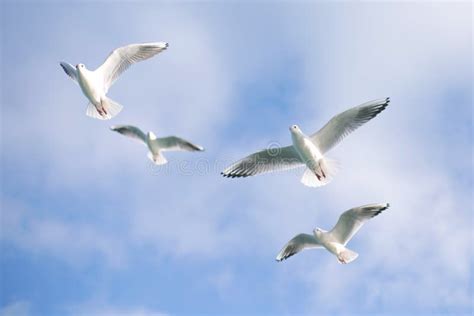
347 256
91 111
111 107
157 159
326 171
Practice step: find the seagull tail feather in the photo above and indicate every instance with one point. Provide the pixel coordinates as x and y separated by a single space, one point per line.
91 111
157 159
111 107
347 256
325 172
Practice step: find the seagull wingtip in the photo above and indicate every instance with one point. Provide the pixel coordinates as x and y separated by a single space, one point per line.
386 206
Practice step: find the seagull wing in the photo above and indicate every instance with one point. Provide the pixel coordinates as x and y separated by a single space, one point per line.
346 122
173 143
130 131
352 220
121 58
70 70
268 160
298 243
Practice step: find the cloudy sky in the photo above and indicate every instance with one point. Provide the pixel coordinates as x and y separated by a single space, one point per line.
90 227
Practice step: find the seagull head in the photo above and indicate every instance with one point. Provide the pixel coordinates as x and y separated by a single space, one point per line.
295 129
80 67
317 231
151 136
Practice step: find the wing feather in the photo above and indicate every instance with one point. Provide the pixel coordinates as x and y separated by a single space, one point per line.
346 122
298 243
130 131
352 220
268 160
121 58
173 143
70 70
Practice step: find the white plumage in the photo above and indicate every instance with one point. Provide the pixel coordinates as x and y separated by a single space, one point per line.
335 240
95 84
308 150
156 145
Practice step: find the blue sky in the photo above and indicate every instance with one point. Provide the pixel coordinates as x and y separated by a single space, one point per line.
90 227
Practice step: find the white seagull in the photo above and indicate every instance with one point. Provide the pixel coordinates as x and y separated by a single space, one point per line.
156 145
95 84
335 240
308 150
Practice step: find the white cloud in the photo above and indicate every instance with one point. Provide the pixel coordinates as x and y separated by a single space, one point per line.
17 308
106 309
73 242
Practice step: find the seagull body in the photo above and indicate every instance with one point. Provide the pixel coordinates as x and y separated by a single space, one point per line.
335 240
95 84
308 151
156 145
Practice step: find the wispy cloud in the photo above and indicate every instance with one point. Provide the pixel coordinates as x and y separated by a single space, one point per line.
73 242
17 308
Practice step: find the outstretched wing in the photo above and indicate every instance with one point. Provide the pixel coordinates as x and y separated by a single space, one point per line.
346 122
70 70
121 58
352 220
130 131
268 160
298 243
173 143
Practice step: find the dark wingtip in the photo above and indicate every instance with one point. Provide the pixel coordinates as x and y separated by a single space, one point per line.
385 104
382 209
386 207
233 175
197 147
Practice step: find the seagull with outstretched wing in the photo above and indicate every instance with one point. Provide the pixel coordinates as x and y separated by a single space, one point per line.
308 150
95 84
156 145
335 240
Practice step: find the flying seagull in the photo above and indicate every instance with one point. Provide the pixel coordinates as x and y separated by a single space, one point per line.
308 150
95 84
156 145
335 240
